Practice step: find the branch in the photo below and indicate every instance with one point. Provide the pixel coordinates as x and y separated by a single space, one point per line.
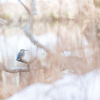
23 61
18 69
34 8
27 29
14 70
25 7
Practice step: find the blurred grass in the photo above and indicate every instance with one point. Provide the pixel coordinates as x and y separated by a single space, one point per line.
97 3
74 28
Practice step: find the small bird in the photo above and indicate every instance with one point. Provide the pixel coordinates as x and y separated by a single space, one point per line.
21 54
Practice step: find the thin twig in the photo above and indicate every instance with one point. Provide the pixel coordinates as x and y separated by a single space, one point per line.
25 7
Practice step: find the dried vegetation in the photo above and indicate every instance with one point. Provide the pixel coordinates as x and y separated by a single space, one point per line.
79 31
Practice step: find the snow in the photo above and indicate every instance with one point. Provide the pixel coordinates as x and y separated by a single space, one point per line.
66 54
70 87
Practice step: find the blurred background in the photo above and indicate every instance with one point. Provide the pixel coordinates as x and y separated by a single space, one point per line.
70 29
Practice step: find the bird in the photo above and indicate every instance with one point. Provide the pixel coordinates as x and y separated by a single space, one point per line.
21 54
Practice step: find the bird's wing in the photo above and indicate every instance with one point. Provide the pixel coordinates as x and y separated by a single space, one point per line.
19 55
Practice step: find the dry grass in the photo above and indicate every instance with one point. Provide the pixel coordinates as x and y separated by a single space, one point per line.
73 32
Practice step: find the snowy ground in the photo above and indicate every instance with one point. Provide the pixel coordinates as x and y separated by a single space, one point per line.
70 87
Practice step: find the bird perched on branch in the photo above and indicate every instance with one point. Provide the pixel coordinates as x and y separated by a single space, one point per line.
21 54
